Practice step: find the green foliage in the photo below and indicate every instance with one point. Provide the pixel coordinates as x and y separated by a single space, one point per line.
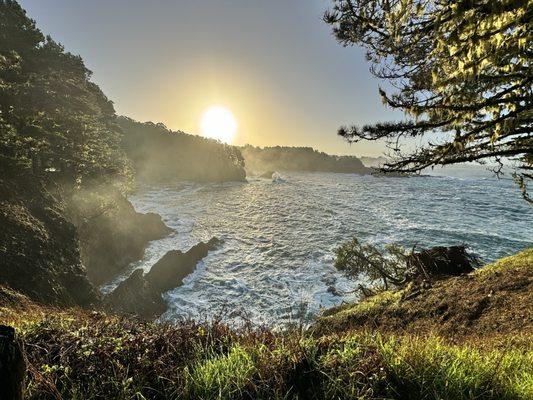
52 117
90 356
367 307
461 69
433 369
357 259
222 377
522 260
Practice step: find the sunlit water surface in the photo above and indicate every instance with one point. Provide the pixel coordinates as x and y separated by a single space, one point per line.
275 265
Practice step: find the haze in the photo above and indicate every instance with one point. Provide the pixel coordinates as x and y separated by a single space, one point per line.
274 64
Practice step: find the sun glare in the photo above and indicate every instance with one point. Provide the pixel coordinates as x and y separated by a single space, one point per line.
219 123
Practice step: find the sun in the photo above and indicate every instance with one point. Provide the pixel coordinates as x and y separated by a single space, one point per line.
219 123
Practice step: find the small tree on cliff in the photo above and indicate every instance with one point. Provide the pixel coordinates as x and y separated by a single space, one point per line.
461 69
390 267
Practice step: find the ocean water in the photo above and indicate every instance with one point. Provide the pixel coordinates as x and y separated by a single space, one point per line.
275 265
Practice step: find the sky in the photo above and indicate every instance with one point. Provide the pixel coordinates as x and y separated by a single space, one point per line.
275 64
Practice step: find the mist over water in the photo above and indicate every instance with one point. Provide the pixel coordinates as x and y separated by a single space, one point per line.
276 261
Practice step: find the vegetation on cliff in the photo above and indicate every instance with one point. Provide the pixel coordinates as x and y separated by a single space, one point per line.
66 223
492 302
159 154
259 160
53 120
81 354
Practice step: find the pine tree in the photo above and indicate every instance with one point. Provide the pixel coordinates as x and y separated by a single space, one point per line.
462 75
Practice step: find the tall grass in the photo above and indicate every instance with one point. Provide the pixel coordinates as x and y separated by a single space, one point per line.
93 356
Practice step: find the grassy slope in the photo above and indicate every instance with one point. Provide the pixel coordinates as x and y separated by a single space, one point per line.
79 354
494 301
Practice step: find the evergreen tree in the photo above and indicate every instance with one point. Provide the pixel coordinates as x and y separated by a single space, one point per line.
461 69
52 117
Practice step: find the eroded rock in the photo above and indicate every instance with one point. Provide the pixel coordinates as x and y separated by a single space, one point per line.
173 267
140 294
136 296
112 234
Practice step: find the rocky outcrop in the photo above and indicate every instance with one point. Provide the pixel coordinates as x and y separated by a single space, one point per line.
141 294
173 267
112 234
136 295
443 261
12 365
393 174
39 253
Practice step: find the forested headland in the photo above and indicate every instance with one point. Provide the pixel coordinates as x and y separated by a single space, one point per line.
304 159
159 154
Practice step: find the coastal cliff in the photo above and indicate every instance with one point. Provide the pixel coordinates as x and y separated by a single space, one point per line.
303 159
39 252
112 234
161 155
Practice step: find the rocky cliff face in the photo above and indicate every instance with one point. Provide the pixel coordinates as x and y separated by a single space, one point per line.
39 253
136 295
112 234
56 250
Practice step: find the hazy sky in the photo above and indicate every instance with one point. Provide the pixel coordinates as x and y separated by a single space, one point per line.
273 63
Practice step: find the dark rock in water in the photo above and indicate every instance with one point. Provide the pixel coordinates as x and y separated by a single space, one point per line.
267 174
136 296
396 174
173 267
116 237
12 365
443 261
141 294
39 252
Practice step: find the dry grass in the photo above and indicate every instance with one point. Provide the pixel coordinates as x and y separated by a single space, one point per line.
495 301
94 356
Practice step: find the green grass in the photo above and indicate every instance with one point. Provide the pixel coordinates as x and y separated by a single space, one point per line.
370 305
93 356
522 260
223 377
434 370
